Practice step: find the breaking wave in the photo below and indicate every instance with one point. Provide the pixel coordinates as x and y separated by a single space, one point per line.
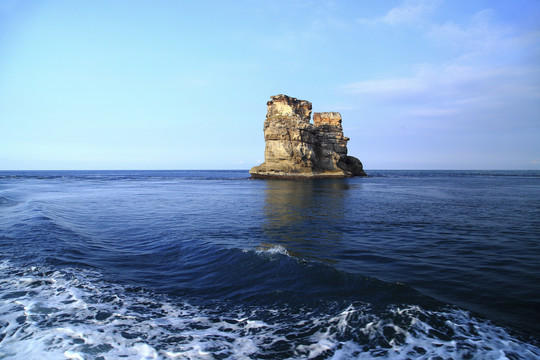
73 313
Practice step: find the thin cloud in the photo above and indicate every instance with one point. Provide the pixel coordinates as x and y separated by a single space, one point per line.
452 81
410 12
458 92
494 76
479 34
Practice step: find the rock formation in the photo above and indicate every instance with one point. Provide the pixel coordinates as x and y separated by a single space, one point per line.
297 148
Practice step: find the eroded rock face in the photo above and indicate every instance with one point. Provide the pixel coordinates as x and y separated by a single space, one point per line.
297 148
283 105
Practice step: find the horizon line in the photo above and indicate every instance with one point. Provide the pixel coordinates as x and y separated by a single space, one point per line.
381 169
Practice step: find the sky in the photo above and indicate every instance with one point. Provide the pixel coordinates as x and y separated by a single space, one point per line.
420 84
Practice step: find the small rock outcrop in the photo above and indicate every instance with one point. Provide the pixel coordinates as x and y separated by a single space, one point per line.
296 148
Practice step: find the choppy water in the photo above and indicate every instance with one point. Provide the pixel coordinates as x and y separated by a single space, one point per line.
212 264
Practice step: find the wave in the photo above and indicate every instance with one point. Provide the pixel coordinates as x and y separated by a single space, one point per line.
7 202
452 173
271 249
73 313
125 175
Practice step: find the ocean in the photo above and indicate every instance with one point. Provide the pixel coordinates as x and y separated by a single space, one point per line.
215 265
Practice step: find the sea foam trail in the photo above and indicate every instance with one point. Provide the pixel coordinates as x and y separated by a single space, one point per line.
72 313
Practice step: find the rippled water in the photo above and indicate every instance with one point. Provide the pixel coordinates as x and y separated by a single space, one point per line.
212 264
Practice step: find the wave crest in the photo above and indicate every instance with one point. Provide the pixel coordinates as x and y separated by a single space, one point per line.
74 314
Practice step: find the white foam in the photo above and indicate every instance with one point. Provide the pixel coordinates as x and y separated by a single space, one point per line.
76 315
272 249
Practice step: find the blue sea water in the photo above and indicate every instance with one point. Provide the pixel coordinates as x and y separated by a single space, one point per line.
215 265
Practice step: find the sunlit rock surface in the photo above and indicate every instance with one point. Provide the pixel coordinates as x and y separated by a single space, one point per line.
297 148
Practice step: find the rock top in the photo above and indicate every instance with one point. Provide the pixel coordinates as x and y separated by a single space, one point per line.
296 148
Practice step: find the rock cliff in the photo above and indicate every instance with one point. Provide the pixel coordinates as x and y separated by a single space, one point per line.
297 148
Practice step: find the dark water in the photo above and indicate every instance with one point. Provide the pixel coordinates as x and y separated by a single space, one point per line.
212 264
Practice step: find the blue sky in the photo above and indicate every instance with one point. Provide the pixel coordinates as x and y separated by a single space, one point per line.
440 84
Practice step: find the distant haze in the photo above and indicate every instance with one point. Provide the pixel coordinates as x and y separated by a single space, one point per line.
442 84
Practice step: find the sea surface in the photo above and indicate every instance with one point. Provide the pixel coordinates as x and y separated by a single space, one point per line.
215 265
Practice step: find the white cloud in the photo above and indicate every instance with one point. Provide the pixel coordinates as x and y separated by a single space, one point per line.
493 77
458 93
479 34
459 82
410 12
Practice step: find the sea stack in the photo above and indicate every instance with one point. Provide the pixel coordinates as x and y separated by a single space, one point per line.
298 149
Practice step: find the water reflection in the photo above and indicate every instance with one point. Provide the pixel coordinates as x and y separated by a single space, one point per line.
304 217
